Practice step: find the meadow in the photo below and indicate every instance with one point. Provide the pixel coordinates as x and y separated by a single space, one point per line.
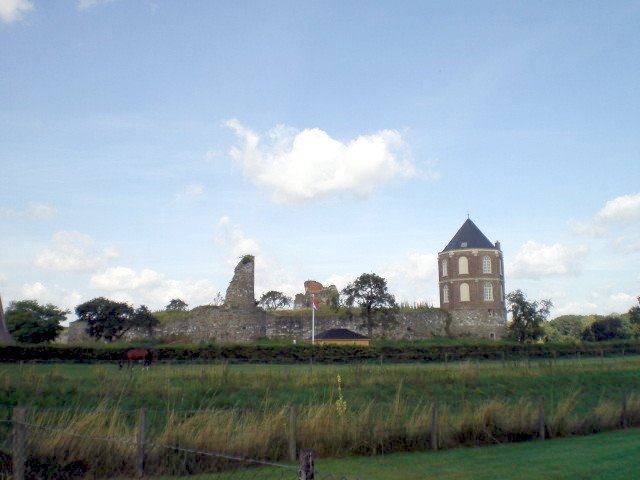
91 411
605 456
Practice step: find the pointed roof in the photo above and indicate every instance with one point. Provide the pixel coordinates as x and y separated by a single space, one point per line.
469 236
5 336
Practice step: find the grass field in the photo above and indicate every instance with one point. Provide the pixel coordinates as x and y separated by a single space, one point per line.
246 409
252 386
605 456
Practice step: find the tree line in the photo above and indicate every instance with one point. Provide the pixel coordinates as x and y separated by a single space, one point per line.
367 298
529 323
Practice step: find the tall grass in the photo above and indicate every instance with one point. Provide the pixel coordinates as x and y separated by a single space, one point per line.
89 413
104 438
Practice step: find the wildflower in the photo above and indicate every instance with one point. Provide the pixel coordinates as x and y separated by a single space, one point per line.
341 404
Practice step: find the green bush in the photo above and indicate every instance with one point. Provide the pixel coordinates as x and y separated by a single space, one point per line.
287 353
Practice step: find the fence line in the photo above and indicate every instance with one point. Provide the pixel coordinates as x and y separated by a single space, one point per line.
431 434
247 466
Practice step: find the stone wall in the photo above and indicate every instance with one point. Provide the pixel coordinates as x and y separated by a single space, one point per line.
217 324
479 323
220 324
408 326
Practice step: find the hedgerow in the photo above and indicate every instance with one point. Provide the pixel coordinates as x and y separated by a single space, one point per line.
252 353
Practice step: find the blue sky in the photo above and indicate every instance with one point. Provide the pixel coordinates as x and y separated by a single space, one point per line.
146 145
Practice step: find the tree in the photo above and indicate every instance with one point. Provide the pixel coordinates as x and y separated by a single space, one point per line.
569 326
106 319
608 328
526 317
30 322
143 318
634 314
176 305
273 300
377 305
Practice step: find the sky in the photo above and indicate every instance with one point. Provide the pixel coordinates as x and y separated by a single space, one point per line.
146 145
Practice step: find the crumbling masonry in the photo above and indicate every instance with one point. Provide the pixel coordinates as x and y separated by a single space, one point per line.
240 320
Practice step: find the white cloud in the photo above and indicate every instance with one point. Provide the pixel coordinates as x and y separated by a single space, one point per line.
12 10
619 211
37 211
340 280
60 297
42 211
85 4
150 287
305 165
414 278
190 191
536 260
233 240
627 244
73 252
574 308
269 274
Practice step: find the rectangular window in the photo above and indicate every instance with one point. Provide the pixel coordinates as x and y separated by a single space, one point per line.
488 292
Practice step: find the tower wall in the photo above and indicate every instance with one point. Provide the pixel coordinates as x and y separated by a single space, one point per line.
479 308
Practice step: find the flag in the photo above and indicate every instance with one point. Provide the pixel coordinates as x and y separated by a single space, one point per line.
314 302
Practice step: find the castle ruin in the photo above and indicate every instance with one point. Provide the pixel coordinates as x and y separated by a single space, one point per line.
471 285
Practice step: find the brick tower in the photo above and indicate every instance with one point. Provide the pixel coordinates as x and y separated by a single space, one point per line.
471 281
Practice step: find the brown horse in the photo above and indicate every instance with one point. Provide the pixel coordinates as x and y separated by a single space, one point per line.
135 355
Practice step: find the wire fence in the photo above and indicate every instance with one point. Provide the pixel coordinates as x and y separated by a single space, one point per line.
53 444
265 442
138 456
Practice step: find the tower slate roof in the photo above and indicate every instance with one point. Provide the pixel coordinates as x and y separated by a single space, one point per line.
469 236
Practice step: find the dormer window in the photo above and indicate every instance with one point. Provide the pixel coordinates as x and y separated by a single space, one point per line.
463 245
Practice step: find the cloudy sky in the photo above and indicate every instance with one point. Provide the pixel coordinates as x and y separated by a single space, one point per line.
146 145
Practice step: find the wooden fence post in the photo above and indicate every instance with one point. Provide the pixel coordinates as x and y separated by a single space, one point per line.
306 471
19 441
141 440
624 423
434 427
292 433
541 420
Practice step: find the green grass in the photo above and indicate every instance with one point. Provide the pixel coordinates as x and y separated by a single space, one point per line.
605 456
251 386
244 409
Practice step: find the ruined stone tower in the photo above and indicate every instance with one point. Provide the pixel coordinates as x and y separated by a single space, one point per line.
5 336
240 293
471 274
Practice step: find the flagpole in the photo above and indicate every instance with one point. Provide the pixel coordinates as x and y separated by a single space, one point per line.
313 319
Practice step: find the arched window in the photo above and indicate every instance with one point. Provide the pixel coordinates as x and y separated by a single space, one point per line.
488 292
445 294
486 264
464 292
463 265
444 268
